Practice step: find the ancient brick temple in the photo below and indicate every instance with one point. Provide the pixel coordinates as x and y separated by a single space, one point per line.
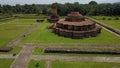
54 18
76 26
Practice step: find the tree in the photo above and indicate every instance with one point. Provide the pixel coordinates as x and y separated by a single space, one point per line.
17 8
92 3
44 10
0 8
63 9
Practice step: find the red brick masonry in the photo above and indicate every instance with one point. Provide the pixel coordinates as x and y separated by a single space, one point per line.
76 26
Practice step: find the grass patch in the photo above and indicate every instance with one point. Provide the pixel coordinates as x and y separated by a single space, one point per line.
16 50
38 51
44 35
113 23
79 64
31 16
13 29
32 63
5 63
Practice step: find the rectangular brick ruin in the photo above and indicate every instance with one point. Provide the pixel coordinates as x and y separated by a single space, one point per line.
79 51
5 49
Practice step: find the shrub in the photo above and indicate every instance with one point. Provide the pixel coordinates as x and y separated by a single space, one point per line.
117 18
109 19
103 18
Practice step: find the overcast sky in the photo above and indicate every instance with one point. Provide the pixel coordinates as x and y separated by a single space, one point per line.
13 2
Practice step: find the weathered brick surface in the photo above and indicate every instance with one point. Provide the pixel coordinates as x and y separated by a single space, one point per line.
76 26
80 51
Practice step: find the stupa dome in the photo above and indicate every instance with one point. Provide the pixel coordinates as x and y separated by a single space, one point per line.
76 26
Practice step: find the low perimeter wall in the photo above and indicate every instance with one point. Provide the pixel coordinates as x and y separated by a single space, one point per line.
107 27
79 51
6 49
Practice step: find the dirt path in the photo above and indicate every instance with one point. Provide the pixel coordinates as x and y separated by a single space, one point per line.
76 58
15 41
7 56
24 57
71 45
48 64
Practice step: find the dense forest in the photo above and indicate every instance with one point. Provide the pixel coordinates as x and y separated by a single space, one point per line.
92 8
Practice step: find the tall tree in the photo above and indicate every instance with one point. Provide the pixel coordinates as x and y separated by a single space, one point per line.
93 3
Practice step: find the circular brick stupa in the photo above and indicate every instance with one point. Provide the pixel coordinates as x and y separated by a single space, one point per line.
76 26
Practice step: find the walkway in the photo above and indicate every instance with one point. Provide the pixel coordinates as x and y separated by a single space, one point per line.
15 41
24 57
76 58
7 56
48 64
71 45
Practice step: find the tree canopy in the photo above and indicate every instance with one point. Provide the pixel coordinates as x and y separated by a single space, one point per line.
92 8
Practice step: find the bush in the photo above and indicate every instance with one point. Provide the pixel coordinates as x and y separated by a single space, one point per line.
37 65
103 18
117 18
109 19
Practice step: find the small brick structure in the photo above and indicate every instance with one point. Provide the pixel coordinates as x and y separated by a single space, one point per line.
5 49
39 20
79 51
76 26
54 17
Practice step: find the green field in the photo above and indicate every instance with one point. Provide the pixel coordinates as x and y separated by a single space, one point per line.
11 29
31 16
79 64
5 63
38 51
113 23
3 16
44 35
32 64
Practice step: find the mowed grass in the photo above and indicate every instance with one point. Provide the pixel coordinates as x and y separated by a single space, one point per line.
113 23
38 51
79 64
12 29
32 64
16 50
5 63
44 35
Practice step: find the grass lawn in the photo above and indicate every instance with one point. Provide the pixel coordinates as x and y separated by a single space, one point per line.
5 63
31 16
12 29
40 51
3 16
113 23
32 63
79 64
16 50
44 35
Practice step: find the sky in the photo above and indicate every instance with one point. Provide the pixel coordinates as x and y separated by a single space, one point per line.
13 2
